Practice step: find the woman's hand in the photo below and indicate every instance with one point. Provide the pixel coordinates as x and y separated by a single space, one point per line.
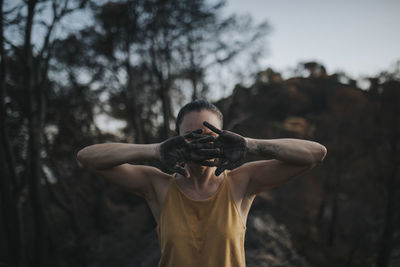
175 151
231 146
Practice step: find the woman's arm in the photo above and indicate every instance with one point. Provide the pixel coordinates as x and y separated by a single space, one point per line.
110 160
108 155
290 150
290 158
287 158
171 152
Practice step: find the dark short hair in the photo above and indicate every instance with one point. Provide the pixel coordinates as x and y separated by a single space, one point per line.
197 105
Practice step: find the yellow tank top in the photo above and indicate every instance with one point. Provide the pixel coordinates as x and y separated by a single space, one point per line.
203 233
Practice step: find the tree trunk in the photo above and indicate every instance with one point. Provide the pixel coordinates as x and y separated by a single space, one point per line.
322 205
63 206
133 105
9 210
391 200
193 73
163 89
388 230
353 250
34 132
102 218
9 182
35 183
193 79
166 110
68 206
335 210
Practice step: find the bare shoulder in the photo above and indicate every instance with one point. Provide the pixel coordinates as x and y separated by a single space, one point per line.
263 175
160 183
141 180
254 173
238 177
238 180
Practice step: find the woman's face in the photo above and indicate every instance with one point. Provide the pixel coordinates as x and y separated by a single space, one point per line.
194 120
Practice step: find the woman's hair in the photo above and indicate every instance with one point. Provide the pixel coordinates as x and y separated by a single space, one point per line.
197 105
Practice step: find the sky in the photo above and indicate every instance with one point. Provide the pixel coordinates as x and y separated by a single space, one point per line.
359 37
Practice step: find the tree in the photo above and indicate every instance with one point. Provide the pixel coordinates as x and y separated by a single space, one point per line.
8 182
157 45
29 77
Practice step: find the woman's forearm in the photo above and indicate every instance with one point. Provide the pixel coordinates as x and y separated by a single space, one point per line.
296 151
108 155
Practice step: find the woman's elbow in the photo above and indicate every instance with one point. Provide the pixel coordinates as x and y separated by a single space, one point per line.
81 158
321 154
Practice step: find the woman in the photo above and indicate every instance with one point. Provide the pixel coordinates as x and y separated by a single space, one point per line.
200 214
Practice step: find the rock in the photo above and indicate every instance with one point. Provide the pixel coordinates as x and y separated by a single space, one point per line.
269 244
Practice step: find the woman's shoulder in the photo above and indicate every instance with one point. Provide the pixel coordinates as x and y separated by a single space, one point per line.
161 178
238 176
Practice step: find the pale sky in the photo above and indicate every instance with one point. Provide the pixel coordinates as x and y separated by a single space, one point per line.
360 37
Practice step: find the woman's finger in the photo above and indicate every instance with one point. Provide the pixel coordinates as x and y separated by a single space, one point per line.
189 135
197 131
209 163
181 171
203 139
200 146
198 158
209 152
221 168
212 127
194 135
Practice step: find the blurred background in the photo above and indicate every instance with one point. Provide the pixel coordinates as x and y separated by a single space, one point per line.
80 72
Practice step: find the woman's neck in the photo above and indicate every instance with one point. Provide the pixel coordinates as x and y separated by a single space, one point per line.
200 176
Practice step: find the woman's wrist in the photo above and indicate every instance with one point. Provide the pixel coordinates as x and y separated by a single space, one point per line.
249 145
156 151
145 152
258 147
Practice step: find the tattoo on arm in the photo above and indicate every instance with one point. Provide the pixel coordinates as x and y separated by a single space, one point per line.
265 149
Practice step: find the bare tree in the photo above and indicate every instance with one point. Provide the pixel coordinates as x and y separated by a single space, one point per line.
34 60
8 182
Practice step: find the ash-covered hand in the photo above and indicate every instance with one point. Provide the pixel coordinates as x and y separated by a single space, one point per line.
175 151
231 146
